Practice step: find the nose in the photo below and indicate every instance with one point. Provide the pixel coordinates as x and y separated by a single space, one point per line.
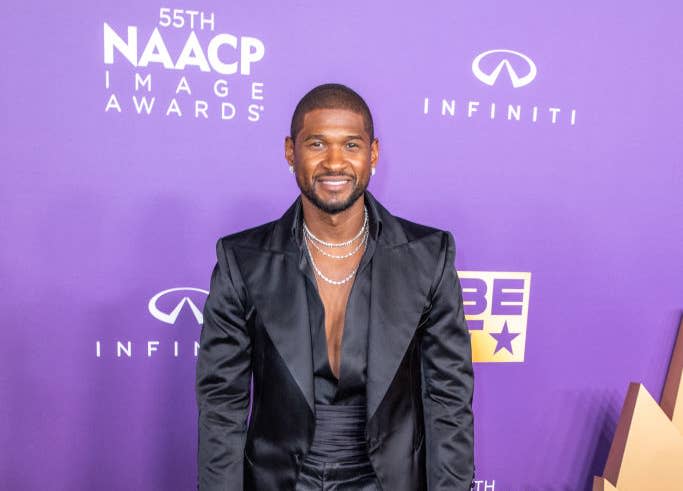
334 158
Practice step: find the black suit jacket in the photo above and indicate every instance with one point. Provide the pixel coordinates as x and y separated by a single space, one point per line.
419 368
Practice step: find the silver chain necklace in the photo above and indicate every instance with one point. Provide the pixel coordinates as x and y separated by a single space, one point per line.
339 244
320 273
343 256
315 266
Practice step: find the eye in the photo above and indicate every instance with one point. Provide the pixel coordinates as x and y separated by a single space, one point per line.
352 145
316 144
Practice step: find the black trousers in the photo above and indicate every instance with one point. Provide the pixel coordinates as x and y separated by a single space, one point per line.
337 476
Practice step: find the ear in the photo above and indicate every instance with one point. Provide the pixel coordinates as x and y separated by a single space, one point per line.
374 151
289 150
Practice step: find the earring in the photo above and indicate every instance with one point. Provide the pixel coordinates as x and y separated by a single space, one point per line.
372 171
291 169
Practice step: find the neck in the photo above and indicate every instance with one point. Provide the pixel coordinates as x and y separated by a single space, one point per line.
339 227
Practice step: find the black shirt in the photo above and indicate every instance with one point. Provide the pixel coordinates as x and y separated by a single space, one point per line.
350 389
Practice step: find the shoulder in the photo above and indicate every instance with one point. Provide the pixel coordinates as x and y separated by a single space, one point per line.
255 237
434 247
415 231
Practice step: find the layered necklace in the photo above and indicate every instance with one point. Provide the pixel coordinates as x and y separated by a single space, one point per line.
317 243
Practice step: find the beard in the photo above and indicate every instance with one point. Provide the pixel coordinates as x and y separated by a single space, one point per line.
333 207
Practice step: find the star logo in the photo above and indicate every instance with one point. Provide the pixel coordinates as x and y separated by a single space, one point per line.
504 338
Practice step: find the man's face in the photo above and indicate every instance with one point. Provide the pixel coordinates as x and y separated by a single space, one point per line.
332 156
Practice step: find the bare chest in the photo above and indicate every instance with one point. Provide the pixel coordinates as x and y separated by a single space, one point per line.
334 299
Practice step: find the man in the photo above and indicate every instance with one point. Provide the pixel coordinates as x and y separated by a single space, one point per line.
350 321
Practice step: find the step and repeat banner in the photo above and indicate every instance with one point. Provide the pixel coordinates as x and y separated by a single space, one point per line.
546 137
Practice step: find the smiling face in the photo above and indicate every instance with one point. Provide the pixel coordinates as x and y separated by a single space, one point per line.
332 156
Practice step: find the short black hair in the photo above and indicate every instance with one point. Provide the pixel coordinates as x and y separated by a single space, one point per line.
331 96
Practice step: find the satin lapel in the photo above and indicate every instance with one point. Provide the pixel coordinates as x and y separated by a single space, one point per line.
278 290
396 304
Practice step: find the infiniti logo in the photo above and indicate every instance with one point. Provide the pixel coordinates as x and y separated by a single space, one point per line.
170 318
492 77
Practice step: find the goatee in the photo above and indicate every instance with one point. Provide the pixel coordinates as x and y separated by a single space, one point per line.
336 206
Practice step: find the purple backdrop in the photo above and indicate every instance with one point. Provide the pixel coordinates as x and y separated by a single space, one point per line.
103 208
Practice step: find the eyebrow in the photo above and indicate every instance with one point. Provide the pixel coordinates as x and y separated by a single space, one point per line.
322 137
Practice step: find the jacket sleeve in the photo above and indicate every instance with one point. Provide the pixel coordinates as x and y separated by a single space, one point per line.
222 382
448 382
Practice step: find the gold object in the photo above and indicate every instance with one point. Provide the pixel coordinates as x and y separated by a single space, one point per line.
647 449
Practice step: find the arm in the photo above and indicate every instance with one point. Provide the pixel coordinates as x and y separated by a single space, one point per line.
222 383
448 382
